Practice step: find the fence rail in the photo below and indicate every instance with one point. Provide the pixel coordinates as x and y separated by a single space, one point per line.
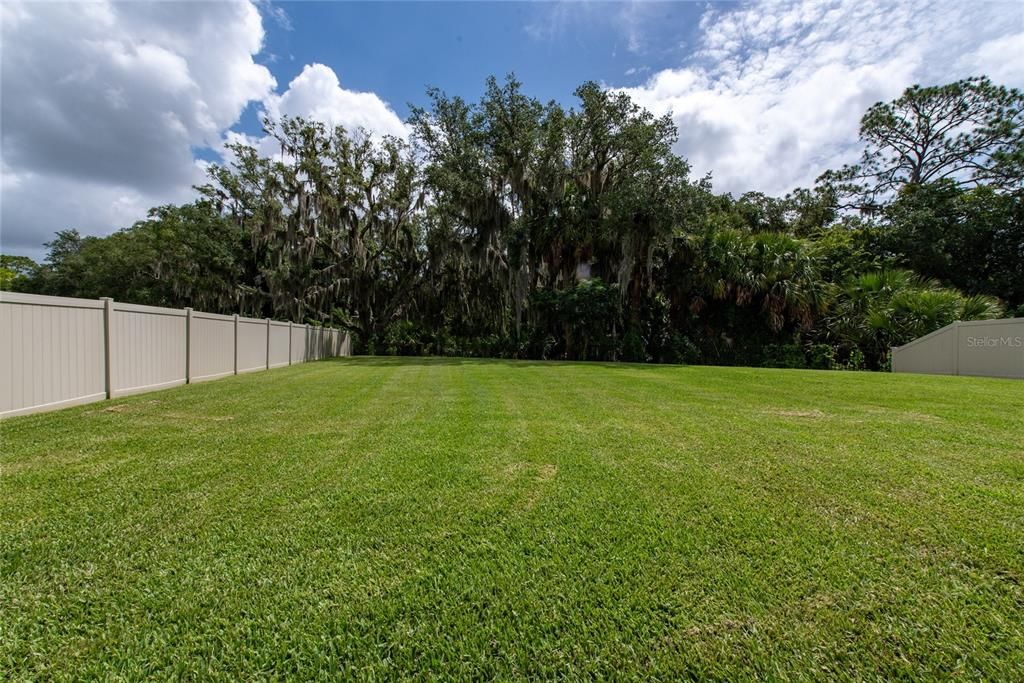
57 352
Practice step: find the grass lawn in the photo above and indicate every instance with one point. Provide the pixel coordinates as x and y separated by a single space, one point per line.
384 517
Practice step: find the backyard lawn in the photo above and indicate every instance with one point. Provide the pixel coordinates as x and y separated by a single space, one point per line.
380 518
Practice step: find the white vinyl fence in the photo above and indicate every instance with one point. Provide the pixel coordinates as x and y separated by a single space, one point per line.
986 348
57 352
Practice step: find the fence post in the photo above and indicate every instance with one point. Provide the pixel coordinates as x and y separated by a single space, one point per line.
108 354
236 343
268 343
956 341
188 345
289 342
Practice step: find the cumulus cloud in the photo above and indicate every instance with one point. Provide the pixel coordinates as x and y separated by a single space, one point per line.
37 205
774 93
317 94
104 104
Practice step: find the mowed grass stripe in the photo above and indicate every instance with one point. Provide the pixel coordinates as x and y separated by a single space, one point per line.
377 517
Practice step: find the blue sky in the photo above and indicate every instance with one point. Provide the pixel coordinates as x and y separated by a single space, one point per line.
397 49
111 108
457 45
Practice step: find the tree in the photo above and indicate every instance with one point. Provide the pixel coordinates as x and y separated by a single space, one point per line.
875 311
576 320
186 255
93 267
17 273
971 239
196 257
631 192
729 287
484 168
528 198
337 222
970 132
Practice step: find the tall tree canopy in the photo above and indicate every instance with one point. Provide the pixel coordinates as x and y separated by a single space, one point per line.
537 197
970 132
335 221
512 227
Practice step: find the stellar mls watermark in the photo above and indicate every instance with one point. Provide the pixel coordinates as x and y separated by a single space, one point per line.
995 342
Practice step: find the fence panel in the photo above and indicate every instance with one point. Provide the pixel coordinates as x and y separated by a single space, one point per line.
312 352
331 342
252 344
314 342
148 348
280 339
53 351
992 348
212 352
345 346
934 353
299 350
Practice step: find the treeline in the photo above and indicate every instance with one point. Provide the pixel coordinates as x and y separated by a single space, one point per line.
512 228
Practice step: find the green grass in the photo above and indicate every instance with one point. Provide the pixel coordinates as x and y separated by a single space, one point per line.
379 518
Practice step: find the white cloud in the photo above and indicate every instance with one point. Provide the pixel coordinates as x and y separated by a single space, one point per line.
103 103
1002 58
551 20
637 70
774 93
317 94
43 204
276 13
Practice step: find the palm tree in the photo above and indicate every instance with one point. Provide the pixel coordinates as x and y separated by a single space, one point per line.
876 311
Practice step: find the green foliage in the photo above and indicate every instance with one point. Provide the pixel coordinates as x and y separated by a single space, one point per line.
527 196
337 222
855 361
403 338
846 249
634 349
740 290
511 228
821 357
784 356
876 311
17 273
681 350
187 255
972 239
582 318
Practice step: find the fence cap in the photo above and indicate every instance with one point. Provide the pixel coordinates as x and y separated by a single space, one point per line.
44 300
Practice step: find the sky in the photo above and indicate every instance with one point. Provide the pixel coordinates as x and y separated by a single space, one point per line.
108 109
